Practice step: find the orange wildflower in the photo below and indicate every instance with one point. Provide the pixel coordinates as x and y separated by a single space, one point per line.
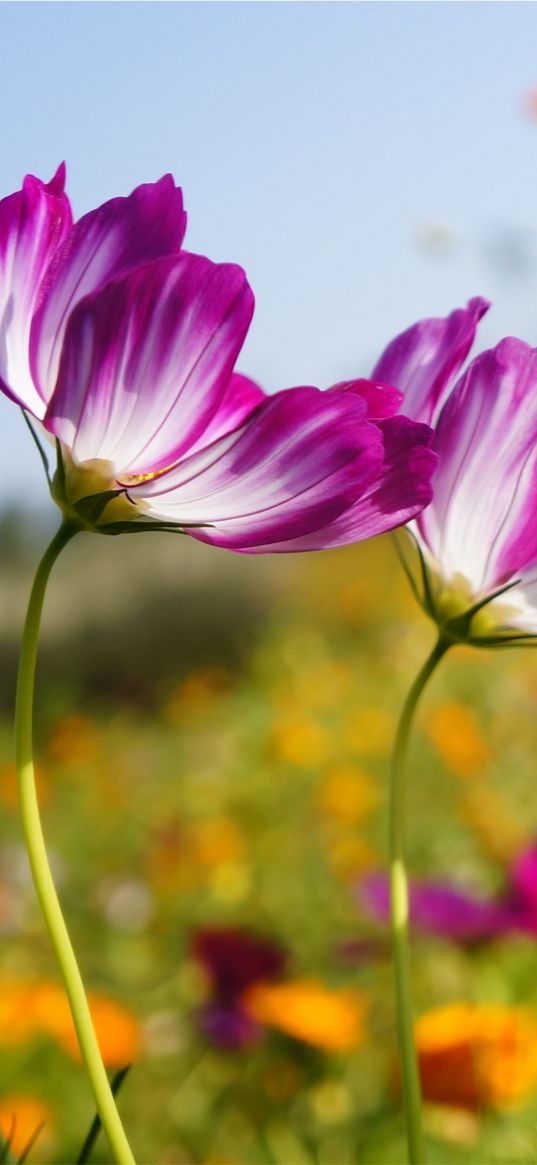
20 1117
40 1007
18 1021
309 1011
347 794
475 1056
74 740
455 733
8 785
118 1032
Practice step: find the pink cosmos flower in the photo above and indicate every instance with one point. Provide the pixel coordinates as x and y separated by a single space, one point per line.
479 535
123 346
442 909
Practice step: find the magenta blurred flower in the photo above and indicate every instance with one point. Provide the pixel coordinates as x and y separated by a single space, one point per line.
479 535
439 908
233 960
122 346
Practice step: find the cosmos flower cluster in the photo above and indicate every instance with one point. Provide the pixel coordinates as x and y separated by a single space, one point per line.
122 346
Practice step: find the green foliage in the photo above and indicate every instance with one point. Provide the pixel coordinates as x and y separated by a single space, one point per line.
213 736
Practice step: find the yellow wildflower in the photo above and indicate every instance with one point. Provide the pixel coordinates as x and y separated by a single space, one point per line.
300 741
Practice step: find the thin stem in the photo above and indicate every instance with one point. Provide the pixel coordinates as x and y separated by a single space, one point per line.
399 911
37 853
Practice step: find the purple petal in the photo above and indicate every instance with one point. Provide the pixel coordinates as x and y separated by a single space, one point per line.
521 900
398 491
424 360
240 398
147 362
382 401
437 908
229 1029
234 958
33 224
104 244
481 522
295 464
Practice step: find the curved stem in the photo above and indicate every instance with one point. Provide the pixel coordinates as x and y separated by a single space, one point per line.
399 911
37 853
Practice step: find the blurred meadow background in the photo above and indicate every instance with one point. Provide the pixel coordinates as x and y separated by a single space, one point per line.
213 731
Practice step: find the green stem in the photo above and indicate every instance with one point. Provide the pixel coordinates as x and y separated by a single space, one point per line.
37 853
399 911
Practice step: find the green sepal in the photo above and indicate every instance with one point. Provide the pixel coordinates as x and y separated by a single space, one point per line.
502 639
428 600
91 508
405 565
38 445
459 625
458 628
137 527
425 597
59 477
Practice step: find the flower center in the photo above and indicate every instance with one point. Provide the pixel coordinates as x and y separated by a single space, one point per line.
89 493
139 478
453 598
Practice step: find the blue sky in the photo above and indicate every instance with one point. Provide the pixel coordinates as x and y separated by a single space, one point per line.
314 143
